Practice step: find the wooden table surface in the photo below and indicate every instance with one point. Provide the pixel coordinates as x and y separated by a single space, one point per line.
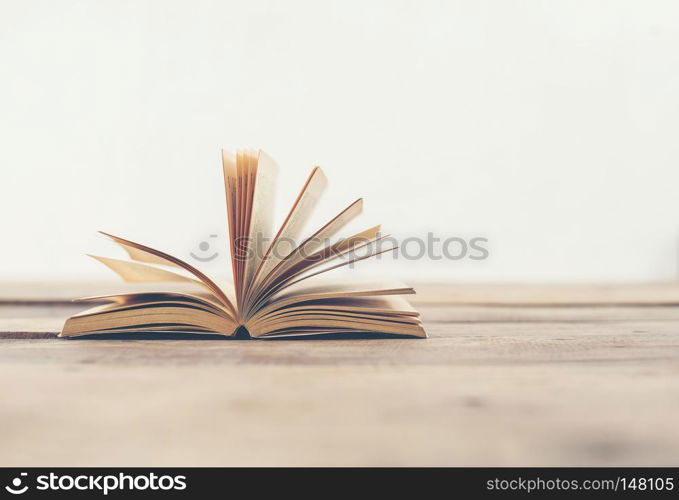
512 376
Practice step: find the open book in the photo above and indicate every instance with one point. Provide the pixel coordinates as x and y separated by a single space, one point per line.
277 291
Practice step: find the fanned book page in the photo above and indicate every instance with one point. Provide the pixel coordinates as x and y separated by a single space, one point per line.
279 289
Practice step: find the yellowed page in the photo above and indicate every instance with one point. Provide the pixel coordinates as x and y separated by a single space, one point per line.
383 305
348 324
138 320
324 288
262 205
230 187
174 261
314 242
298 275
135 298
293 225
135 272
327 254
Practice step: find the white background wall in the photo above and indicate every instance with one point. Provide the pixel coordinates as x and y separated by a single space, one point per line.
548 127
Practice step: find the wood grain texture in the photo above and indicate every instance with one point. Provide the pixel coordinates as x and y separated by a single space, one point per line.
527 384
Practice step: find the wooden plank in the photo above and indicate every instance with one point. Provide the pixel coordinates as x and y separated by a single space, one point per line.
427 293
548 294
455 313
500 343
113 407
494 385
45 320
